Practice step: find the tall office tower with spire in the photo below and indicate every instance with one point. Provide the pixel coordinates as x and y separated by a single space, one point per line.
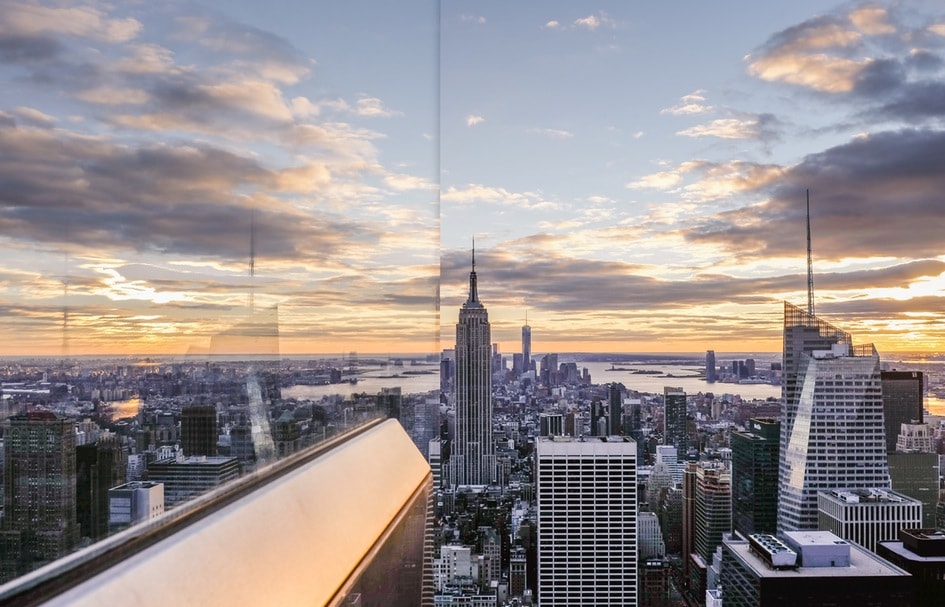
473 457
832 432
832 419
526 346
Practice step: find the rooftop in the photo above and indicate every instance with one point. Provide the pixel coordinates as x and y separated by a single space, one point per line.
863 563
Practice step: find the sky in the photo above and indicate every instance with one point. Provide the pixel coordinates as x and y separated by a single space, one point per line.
634 175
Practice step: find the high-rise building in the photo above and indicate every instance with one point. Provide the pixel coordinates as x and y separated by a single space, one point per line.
832 432
615 409
917 475
713 505
867 516
710 368
675 420
39 481
472 461
198 430
902 402
587 521
99 467
526 347
755 477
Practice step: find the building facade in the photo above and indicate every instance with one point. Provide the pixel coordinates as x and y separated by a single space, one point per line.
472 461
867 516
39 479
832 432
902 402
587 521
675 420
755 477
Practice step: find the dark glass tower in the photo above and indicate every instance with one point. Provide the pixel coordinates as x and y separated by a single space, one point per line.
198 429
675 420
755 477
902 402
473 457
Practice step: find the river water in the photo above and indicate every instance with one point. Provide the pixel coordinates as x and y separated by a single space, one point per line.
658 376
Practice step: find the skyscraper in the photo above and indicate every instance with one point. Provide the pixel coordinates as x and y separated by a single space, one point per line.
710 368
587 521
473 455
755 477
676 432
99 467
39 479
526 347
902 402
198 430
832 431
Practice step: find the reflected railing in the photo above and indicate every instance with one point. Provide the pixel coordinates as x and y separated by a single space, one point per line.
393 567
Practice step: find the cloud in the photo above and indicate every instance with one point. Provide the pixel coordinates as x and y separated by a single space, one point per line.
553 133
473 120
592 22
878 195
373 107
477 19
664 180
693 103
30 20
476 193
755 127
555 25
873 20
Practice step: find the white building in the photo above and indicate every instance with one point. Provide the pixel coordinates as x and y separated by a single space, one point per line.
837 437
915 438
454 565
134 502
867 516
649 537
587 521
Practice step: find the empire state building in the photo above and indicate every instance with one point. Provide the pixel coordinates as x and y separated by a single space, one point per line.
473 457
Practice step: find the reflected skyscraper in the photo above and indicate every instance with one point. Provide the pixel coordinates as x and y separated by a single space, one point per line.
473 457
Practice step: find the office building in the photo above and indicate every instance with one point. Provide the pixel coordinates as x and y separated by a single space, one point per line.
921 552
915 438
867 516
832 432
808 568
587 521
755 477
39 481
615 410
133 503
711 371
198 430
472 461
649 536
713 507
902 402
675 420
917 475
189 477
99 467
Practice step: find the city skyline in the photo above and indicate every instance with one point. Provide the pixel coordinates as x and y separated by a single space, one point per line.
634 177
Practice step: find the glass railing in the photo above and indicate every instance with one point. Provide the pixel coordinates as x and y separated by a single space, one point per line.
354 509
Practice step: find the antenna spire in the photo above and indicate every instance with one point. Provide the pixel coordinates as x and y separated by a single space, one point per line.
810 266
473 291
252 260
